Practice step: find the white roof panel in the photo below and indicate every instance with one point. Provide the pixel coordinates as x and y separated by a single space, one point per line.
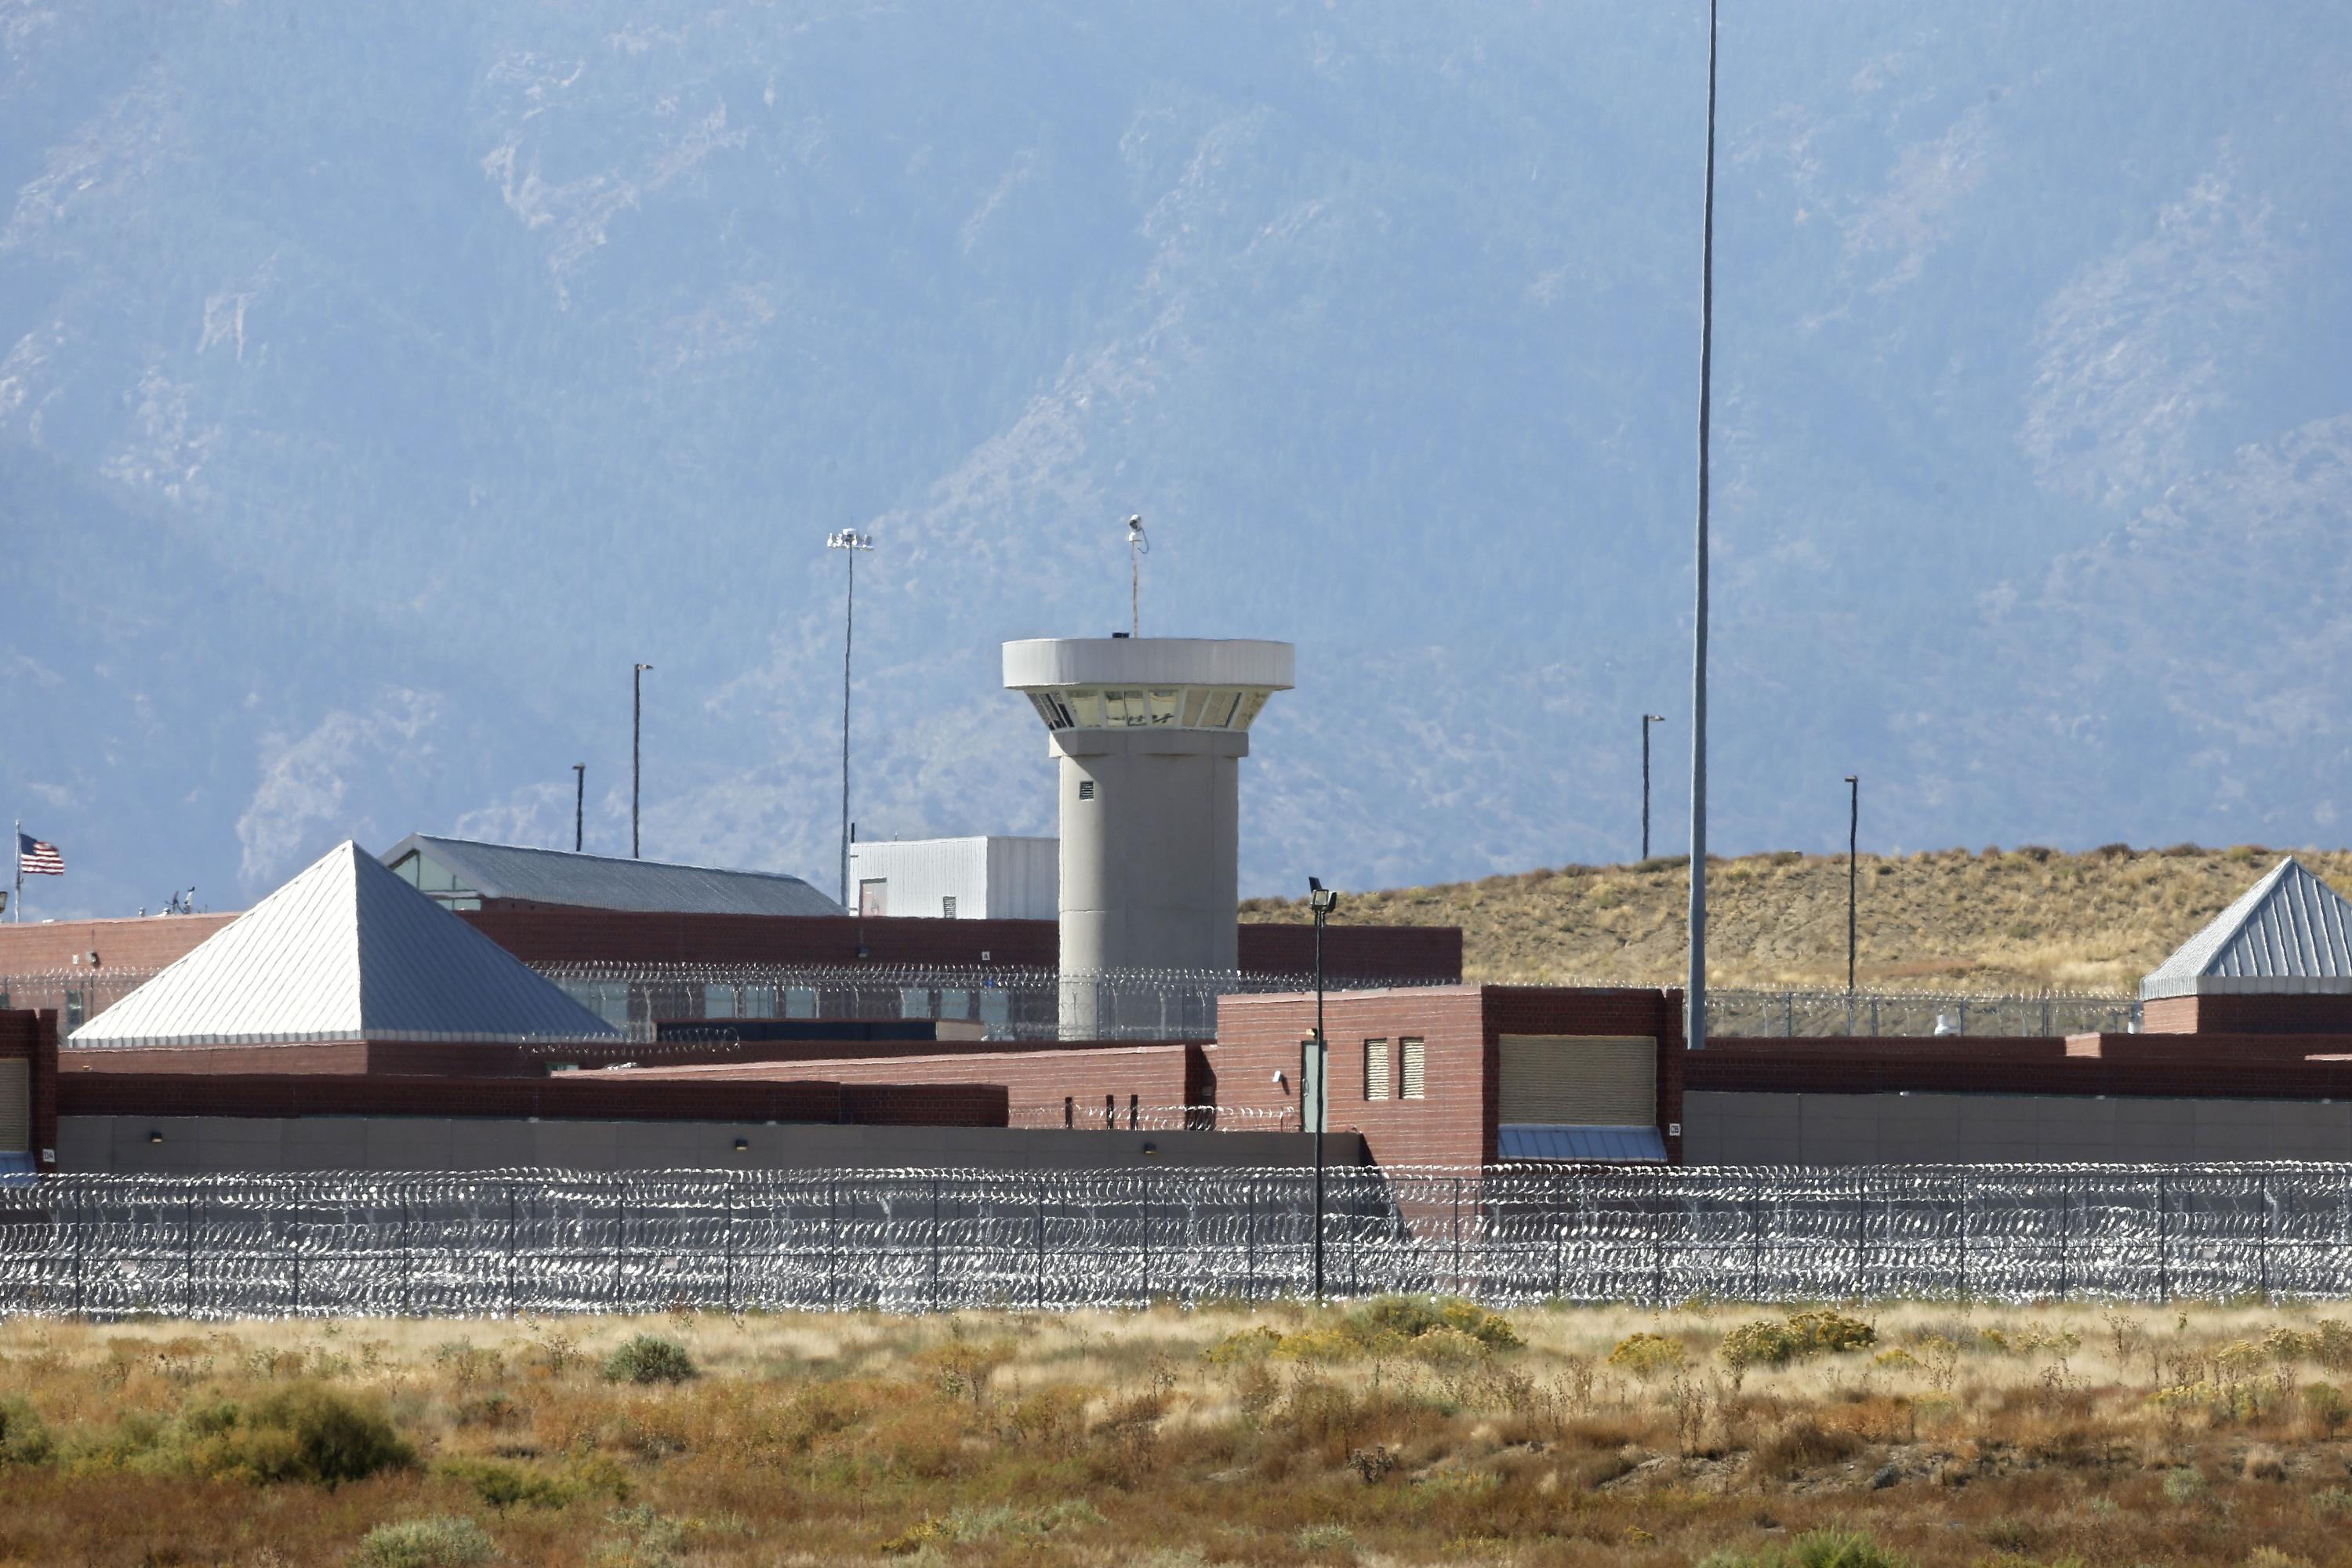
346 950
2290 932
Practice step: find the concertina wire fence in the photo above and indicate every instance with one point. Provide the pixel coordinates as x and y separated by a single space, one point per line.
521 1242
1015 1003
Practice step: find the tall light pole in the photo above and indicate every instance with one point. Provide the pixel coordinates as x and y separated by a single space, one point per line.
578 804
637 727
1322 901
1137 547
1647 720
1695 994
1853 875
850 542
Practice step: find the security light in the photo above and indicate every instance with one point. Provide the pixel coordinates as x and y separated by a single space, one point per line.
1320 898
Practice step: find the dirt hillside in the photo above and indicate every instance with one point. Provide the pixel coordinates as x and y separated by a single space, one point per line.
1992 919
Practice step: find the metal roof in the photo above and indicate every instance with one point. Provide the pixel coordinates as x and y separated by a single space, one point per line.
609 882
1526 1141
346 950
2289 932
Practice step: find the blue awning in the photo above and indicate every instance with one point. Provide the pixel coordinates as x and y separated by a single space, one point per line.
1531 1142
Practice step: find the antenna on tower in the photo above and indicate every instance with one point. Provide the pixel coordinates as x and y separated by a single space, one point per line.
1137 547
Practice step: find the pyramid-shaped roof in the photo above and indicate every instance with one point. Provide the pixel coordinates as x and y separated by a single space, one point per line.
346 950
2289 932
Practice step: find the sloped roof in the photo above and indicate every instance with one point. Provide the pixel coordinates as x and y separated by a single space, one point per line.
609 882
2289 932
346 950
1522 1140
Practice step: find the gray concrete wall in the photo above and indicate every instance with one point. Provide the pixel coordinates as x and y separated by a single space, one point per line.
1149 865
195 1145
1738 1129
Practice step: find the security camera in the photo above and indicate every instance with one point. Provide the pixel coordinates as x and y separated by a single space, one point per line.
1135 523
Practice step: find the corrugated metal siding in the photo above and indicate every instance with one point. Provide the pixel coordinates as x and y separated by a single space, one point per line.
990 879
607 883
346 950
2290 931
1025 878
1580 1080
16 1105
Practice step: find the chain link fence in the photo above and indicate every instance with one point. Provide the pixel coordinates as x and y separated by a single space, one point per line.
516 1242
1799 1013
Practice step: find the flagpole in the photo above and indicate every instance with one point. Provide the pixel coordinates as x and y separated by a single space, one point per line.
20 870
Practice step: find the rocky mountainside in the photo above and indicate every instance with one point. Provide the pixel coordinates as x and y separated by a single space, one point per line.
375 387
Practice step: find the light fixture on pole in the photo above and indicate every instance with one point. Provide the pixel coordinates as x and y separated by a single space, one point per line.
850 543
578 804
1695 995
1647 720
1137 547
1322 901
636 729
1852 882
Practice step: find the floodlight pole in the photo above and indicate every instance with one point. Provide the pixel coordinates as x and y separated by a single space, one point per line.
1647 720
1695 994
1852 878
1137 547
636 770
578 804
1322 901
849 541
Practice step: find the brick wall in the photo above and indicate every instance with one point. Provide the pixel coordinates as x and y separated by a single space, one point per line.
136 944
2241 1066
1370 952
1153 1076
1559 1010
33 1036
1258 1036
2248 1015
595 1096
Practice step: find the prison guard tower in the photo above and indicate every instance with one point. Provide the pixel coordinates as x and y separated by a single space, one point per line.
1150 733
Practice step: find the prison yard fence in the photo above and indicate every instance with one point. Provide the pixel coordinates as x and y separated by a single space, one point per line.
1015 1002
516 1242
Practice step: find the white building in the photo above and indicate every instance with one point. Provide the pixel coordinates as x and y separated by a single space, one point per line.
984 879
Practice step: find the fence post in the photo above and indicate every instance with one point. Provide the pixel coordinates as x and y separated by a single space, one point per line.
510 1251
294 1242
2263 1238
188 1264
832 1245
81 1225
2065 1238
1249 1240
620 1239
405 1266
1962 1181
1143 1203
935 1244
1040 1299
1457 1235
2163 1239
1559 1234
727 1245
1756 1202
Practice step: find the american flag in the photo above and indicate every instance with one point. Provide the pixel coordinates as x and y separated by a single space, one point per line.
35 859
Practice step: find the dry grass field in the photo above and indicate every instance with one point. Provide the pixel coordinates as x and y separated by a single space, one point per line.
1950 919
1390 1433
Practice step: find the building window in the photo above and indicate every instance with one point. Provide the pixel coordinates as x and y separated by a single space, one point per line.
1085 789
718 1001
1414 1073
947 906
874 897
1376 1070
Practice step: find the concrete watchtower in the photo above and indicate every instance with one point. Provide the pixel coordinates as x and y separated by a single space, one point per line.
1149 731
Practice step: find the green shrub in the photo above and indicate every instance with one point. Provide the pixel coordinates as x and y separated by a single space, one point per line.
503 1485
1646 1356
448 1542
1327 1538
1761 1343
307 1431
2326 1406
1818 1549
24 1436
2183 1485
1437 1328
1764 1342
649 1358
